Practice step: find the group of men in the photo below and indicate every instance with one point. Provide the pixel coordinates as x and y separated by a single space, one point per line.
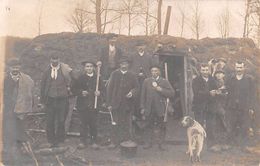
224 103
135 89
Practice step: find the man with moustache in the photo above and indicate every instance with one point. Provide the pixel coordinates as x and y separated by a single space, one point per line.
241 102
55 91
121 90
85 90
155 91
18 100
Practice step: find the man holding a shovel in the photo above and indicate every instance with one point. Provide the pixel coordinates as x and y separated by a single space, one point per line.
155 91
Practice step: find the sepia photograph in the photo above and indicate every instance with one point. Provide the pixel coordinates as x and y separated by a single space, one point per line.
130 83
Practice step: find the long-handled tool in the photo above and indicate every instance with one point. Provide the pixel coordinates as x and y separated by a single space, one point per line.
167 100
112 119
97 82
111 116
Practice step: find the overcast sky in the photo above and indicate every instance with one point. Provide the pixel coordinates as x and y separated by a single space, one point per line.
20 17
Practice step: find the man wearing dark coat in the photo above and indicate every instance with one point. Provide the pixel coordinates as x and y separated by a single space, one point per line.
142 62
121 91
85 90
55 91
155 91
201 91
240 104
110 58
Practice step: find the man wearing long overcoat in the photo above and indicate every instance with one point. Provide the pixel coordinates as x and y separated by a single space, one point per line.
155 91
121 91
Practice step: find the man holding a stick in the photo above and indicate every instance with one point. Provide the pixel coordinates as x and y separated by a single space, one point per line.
88 88
122 88
155 91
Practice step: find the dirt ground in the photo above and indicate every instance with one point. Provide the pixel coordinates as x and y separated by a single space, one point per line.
174 155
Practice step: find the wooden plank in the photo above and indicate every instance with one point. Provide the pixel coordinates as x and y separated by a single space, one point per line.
72 103
186 110
167 20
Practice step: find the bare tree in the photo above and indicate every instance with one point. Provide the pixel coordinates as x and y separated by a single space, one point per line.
159 17
80 20
197 23
223 23
182 21
246 19
131 9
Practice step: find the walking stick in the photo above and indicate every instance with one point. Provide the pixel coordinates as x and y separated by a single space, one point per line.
167 100
97 83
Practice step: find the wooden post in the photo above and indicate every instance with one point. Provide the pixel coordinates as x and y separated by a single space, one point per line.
167 20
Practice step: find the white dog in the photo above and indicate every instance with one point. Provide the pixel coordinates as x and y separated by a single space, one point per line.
196 135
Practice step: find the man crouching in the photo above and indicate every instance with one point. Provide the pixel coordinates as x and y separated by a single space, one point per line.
155 92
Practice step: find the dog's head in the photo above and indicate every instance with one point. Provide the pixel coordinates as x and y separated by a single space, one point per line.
187 121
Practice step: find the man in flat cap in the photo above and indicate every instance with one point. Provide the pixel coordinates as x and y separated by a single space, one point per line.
142 61
18 100
85 90
121 91
155 91
110 58
55 92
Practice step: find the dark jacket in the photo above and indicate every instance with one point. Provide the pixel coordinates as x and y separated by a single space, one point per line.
104 58
143 63
86 83
201 93
119 86
152 99
241 94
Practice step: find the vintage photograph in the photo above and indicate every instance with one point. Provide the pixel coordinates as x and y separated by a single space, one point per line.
130 83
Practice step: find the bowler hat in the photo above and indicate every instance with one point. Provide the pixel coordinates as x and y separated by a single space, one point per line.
88 61
124 59
155 66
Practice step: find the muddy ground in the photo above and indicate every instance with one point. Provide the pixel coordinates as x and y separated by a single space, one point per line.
174 155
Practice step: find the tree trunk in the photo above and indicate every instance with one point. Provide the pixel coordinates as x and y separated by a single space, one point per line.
159 17
98 16
147 17
245 32
129 24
